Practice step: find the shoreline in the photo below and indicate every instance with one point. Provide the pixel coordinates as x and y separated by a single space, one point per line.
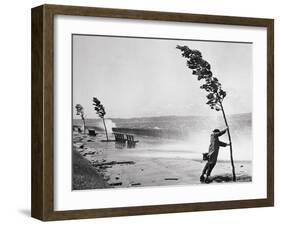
124 168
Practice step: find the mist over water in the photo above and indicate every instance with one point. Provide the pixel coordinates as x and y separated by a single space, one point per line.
108 123
178 136
241 135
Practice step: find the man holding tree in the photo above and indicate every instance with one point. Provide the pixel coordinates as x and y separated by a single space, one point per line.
212 155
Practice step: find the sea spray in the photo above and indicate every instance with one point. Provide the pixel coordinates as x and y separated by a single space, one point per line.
176 133
109 125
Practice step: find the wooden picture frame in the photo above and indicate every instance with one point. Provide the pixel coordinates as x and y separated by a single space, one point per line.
43 112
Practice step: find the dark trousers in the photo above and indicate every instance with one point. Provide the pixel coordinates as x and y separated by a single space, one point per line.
208 168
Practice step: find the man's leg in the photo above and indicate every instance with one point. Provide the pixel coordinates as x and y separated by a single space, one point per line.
209 171
202 178
211 167
205 168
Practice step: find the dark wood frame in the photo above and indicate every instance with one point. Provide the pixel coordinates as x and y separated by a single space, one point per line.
42 203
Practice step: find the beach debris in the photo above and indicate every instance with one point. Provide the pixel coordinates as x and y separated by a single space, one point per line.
116 184
106 178
89 153
107 140
90 141
104 167
117 178
171 178
113 163
221 178
92 132
77 144
136 184
82 146
241 166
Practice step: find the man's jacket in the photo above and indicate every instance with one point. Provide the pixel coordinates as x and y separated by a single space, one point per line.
215 146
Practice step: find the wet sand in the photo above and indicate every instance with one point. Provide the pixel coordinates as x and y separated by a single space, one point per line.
121 167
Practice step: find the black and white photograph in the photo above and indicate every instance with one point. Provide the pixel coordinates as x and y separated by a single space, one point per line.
160 112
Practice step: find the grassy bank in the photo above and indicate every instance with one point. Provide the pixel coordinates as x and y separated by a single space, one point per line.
84 175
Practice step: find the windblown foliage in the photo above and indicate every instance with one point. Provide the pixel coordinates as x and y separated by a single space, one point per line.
202 69
80 111
99 107
100 112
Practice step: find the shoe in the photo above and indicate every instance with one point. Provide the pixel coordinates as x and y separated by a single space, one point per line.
208 180
202 178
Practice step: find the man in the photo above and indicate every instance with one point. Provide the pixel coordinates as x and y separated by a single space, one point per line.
214 147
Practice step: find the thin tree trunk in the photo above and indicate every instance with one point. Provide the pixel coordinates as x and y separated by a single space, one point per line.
84 126
230 146
105 129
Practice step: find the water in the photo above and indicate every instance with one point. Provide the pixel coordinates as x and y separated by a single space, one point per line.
178 137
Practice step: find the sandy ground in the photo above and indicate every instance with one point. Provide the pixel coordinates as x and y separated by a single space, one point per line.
122 167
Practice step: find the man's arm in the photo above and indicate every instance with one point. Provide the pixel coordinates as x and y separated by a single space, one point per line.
221 133
222 144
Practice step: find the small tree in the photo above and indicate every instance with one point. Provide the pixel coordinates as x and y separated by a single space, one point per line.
80 111
100 112
202 69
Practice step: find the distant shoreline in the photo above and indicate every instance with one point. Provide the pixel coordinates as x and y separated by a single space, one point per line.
169 116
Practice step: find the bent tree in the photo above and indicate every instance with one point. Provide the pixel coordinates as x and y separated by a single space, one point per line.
215 96
100 112
80 111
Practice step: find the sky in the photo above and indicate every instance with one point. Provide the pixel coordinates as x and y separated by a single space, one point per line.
142 77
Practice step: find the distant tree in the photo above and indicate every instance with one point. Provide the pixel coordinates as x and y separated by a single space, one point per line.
80 111
100 112
202 69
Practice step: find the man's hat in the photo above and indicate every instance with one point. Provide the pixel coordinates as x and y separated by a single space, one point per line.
216 130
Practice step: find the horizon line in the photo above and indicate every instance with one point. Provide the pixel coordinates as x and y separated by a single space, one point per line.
242 113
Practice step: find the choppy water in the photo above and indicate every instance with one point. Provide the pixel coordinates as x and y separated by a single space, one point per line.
174 136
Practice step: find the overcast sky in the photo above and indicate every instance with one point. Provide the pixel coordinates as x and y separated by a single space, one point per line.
137 77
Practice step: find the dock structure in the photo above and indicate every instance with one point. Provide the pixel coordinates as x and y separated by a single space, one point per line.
131 139
119 137
122 138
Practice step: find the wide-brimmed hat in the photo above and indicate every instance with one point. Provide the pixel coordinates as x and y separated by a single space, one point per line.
216 130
